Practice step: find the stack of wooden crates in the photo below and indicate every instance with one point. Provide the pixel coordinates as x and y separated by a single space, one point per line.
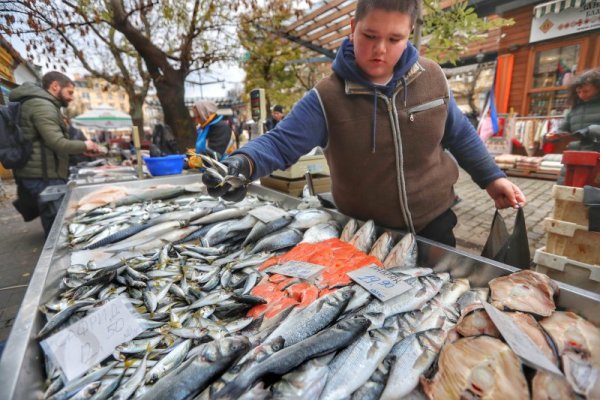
572 252
292 181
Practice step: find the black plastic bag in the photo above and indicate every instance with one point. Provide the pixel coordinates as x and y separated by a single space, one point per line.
511 249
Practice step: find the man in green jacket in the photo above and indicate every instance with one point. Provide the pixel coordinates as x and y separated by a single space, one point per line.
42 123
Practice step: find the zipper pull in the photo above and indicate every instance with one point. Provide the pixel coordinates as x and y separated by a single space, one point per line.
411 117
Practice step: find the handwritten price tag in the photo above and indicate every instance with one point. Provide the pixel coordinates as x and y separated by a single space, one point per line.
518 341
267 213
379 282
90 340
297 269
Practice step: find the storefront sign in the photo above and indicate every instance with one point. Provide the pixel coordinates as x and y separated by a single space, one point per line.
566 22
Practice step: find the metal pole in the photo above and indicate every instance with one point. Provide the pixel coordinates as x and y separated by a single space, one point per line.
138 151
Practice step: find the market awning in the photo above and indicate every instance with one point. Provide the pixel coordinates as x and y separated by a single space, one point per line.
103 117
557 6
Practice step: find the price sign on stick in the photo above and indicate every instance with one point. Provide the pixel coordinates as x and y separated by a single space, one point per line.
90 340
379 282
519 341
297 269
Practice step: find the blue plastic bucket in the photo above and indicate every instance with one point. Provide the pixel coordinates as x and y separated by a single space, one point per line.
167 165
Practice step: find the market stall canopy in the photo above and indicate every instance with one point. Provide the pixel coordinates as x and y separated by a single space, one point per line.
557 6
103 117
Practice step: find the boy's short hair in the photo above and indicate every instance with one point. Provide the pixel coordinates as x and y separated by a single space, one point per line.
55 76
410 7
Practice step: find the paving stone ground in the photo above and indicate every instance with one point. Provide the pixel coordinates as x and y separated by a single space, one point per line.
21 243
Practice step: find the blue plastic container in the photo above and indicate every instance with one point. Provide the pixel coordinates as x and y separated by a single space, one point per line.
167 165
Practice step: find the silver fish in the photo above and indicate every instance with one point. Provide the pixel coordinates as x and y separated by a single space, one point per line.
364 238
305 382
403 254
382 246
170 362
411 358
353 366
321 232
191 377
349 230
328 340
277 241
304 323
304 219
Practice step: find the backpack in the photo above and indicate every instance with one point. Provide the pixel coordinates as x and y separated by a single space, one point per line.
15 149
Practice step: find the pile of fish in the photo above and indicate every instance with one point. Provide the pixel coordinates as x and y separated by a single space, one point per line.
192 266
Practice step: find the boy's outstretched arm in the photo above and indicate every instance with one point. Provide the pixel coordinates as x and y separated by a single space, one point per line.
505 193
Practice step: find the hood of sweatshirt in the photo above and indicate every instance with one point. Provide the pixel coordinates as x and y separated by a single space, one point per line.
345 66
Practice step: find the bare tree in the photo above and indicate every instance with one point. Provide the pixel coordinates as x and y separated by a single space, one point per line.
164 40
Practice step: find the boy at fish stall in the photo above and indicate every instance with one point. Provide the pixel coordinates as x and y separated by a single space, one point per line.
386 119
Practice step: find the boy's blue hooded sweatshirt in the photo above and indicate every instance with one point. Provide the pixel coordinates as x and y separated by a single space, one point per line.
305 127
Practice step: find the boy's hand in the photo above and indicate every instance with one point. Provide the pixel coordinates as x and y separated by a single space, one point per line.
505 194
236 165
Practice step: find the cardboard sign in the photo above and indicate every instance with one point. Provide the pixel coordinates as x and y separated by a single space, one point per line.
519 341
267 213
297 269
90 340
379 282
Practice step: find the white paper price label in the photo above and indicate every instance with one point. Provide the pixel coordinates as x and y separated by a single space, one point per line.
90 340
297 269
267 213
380 283
519 342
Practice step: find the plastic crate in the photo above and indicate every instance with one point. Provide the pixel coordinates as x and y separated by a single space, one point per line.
583 168
167 165
572 241
568 205
585 276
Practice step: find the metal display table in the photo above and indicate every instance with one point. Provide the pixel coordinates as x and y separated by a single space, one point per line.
21 366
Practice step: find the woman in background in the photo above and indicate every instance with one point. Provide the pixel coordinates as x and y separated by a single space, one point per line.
583 120
214 134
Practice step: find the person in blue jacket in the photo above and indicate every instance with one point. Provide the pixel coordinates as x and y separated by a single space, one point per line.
387 122
213 133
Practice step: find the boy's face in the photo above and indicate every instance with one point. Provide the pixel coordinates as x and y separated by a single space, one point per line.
379 40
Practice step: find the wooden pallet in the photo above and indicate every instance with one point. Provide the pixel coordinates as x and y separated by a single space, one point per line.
521 173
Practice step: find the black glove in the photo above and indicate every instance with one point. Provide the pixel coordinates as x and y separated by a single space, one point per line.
236 165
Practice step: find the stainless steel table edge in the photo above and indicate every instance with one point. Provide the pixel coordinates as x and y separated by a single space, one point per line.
20 366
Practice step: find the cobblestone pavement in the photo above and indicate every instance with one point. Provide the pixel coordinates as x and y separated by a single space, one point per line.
20 247
21 243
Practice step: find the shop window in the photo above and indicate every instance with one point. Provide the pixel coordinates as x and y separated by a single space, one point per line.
552 67
555 67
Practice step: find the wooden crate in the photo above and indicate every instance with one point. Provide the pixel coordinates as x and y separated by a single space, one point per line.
572 241
568 205
294 187
585 276
313 164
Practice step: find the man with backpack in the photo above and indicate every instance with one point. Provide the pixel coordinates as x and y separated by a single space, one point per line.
44 132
